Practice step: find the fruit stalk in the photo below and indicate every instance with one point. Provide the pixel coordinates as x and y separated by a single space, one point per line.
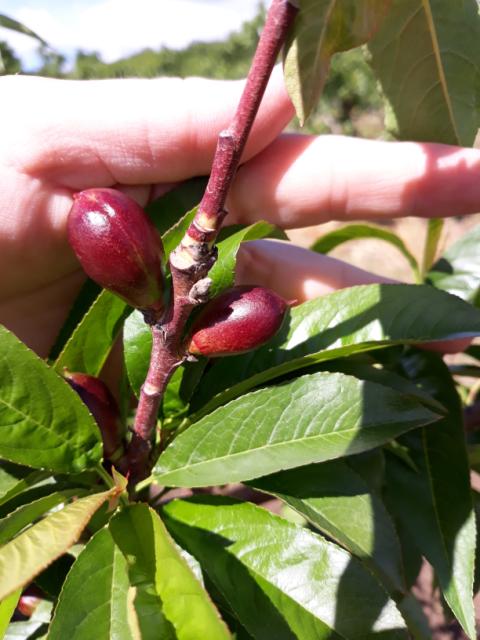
191 261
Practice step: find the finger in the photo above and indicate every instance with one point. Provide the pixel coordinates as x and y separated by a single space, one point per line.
132 131
296 273
299 274
305 180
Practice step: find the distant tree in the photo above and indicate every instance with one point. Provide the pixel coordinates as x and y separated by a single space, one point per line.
52 63
9 62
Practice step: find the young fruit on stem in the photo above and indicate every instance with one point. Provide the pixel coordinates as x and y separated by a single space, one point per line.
238 320
118 247
103 407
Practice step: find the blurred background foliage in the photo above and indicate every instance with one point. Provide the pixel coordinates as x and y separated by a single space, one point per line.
351 102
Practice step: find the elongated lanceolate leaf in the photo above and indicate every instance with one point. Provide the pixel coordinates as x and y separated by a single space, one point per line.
341 324
15 479
156 563
458 269
91 342
322 28
310 419
335 238
33 550
223 271
434 503
14 25
427 58
318 588
24 515
95 599
7 607
337 501
43 423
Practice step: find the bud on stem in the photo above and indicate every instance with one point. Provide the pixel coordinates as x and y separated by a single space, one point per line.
118 247
238 320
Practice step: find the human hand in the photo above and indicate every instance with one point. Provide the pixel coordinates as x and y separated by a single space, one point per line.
58 137
129 134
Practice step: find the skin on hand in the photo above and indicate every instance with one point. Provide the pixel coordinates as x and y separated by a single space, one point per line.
143 135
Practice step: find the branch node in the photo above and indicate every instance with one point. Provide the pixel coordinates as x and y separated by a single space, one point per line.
200 291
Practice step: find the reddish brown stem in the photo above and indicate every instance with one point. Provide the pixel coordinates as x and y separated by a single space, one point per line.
195 255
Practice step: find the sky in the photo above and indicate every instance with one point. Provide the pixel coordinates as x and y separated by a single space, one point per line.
117 28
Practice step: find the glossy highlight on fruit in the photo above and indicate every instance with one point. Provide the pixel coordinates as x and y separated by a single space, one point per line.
118 246
238 320
103 407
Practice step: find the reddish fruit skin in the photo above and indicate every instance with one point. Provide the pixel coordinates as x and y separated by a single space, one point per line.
27 605
118 246
103 407
238 320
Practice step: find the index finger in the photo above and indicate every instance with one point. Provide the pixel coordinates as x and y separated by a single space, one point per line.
128 131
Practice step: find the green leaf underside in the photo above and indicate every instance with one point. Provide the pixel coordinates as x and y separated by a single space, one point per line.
340 324
427 58
7 607
43 423
91 342
323 28
24 515
458 269
156 564
95 599
331 240
435 503
33 550
250 555
313 418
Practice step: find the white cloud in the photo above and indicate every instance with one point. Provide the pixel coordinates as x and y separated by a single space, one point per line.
116 28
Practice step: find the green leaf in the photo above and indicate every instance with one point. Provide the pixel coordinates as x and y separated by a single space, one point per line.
323 28
458 269
340 324
26 514
28 630
335 238
137 345
338 502
155 562
15 479
14 25
7 607
318 588
91 342
309 419
37 547
432 241
44 424
95 599
223 271
86 297
167 210
435 503
427 58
